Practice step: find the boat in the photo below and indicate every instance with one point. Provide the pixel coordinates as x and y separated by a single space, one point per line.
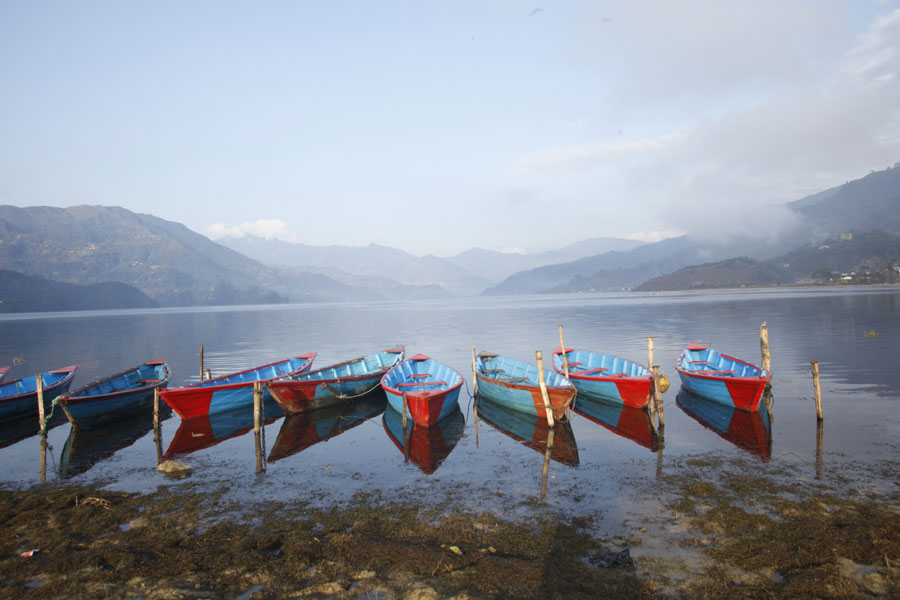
334 384
425 447
750 431
515 384
207 431
3 372
301 430
531 430
431 389
606 377
106 400
628 422
721 378
232 391
18 398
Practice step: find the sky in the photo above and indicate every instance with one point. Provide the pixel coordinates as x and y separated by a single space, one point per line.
439 126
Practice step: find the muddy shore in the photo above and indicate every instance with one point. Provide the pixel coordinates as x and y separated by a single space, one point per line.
735 534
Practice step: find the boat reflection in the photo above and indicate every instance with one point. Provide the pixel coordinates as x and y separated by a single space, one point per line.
632 423
750 431
207 431
301 430
425 447
85 448
25 427
532 431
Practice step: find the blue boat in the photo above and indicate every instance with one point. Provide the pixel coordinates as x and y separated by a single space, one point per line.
721 378
335 384
431 389
515 385
18 398
123 394
606 377
232 391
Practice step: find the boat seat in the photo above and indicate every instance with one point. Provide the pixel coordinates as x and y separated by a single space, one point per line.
421 383
512 379
493 371
420 375
148 380
720 372
574 364
590 371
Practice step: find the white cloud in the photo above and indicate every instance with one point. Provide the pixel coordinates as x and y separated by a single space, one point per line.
264 228
655 235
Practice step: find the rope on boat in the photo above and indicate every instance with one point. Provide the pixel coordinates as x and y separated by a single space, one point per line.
48 417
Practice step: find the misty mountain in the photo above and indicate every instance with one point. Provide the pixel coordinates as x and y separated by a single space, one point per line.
25 293
495 266
863 205
372 261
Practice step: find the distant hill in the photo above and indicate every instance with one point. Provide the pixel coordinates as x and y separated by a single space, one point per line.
372 261
867 257
25 293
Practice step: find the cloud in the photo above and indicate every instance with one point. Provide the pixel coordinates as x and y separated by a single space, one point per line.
654 236
264 228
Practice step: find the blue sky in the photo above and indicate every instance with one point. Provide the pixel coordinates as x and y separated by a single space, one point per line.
435 127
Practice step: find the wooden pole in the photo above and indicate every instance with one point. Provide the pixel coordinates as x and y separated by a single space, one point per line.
657 397
474 373
40 400
649 350
201 362
43 473
820 426
764 347
257 405
562 348
207 374
548 409
155 409
817 388
545 471
405 408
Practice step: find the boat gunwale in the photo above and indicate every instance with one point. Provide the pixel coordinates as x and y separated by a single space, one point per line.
77 397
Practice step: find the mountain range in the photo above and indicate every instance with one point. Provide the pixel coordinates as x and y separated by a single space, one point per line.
154 261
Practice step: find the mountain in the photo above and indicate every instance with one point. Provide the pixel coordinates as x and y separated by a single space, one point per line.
24 293
495 266
372 261
866 257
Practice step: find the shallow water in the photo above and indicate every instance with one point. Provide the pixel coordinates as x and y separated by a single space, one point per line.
853 333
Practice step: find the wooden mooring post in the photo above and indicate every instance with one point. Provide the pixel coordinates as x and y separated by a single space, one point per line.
40 401
820 434
562 349
201 362
817 389
545 471
548 408
475 391
157 437
764 347
257 426
657 399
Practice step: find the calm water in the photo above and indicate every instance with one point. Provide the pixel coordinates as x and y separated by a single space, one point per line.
335 455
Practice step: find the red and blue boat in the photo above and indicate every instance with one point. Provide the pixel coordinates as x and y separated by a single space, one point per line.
721 378
302 430
232 391
425 447
18 398
106 400
431 389
334 384
606 377
516 385
750 431
628 422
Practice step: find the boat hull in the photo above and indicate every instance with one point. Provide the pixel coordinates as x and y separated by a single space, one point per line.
425 447
333 385
122 395
750 431
230 392
721 378
18 398
606 377
515 385
431 389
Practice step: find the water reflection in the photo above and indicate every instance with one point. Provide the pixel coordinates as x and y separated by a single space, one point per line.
85 448
19 429
300 431
631 423
425 447
532 431
750 431
198 434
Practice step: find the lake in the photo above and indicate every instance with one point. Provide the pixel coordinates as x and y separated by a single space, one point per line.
852 332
